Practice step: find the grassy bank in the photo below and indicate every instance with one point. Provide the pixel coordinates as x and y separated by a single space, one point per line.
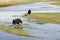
45 17
14 2
4 3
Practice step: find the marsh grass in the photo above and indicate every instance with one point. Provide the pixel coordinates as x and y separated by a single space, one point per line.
45 17
55 2
14 31
6 22
19 32
46 7
5 3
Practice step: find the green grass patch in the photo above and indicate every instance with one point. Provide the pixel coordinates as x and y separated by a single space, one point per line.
45 17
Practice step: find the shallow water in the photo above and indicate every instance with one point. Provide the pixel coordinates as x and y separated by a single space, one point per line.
45 31
6 36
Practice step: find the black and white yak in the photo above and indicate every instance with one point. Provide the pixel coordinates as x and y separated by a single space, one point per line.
17 22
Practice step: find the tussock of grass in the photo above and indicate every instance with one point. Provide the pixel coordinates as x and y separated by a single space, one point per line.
45 17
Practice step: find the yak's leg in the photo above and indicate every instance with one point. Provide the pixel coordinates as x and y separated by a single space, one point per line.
17 25
20 26
14 25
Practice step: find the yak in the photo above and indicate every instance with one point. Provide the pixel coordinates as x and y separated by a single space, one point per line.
17 22
29 12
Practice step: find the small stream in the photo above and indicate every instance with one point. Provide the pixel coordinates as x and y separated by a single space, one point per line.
44 31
